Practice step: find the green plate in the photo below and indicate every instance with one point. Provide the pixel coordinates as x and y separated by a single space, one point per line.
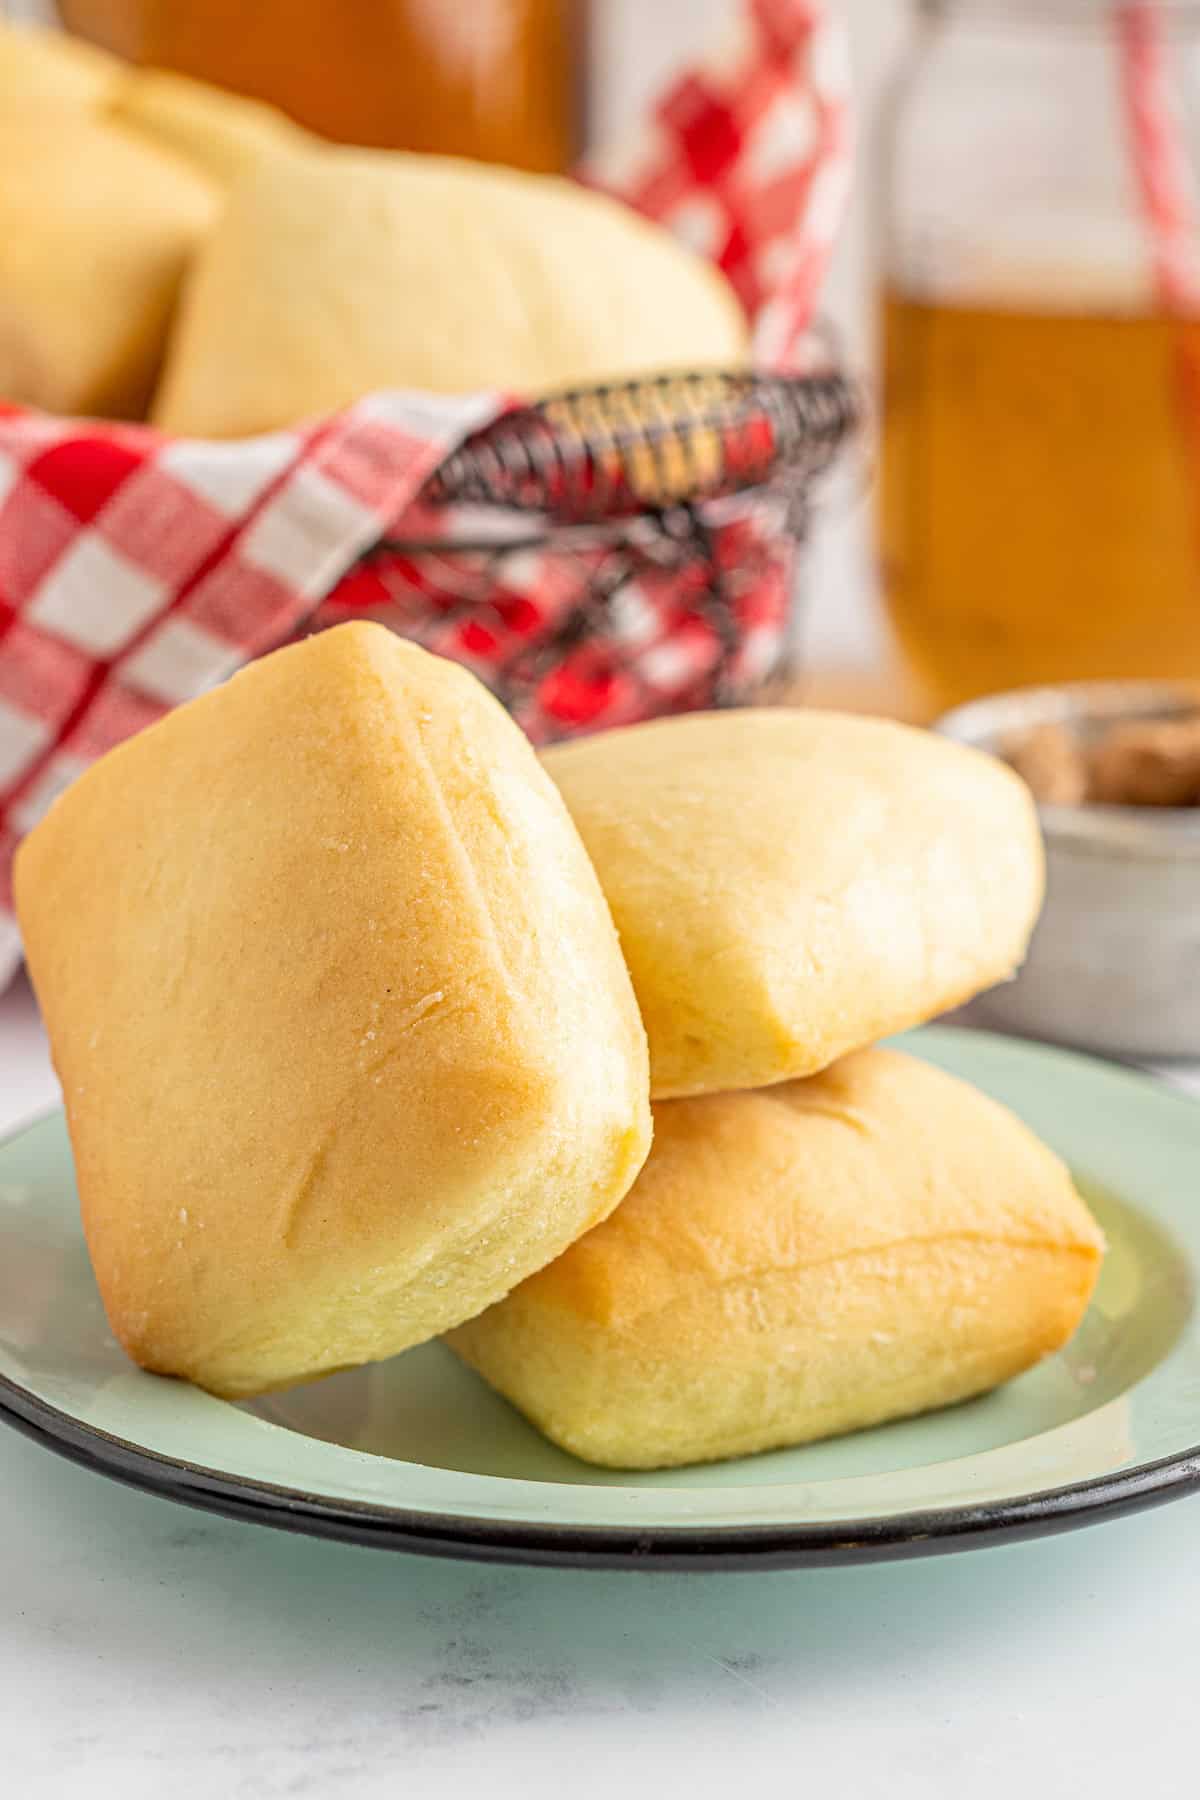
417 1454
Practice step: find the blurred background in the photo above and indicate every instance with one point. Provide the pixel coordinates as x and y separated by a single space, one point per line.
841 626
634 49
1022 237
1016 279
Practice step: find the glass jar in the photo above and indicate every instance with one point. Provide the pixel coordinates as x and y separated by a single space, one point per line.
1040 483
494 79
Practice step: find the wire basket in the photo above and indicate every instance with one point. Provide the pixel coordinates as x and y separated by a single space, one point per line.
618 552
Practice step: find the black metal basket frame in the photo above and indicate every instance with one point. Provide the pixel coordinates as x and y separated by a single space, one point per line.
647 470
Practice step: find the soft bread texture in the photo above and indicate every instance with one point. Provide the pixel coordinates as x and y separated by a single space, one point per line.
37 66
222 134
96 228
791 1265
346 1043
339 271
790 886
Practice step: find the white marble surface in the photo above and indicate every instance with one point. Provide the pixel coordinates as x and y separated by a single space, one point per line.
148 1651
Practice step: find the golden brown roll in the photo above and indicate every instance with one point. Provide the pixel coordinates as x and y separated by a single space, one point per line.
96 228
874 1242
336 272
38 67
790 886
346 1043
223 134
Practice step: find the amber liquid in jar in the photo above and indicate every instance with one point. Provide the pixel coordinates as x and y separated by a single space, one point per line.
493 79
1040 506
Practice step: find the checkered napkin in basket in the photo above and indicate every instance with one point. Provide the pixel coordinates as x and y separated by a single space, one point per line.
137 570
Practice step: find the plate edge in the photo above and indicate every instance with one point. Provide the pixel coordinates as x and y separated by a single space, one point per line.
669 1547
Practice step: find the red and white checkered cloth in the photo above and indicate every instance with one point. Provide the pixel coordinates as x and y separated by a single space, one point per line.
137 570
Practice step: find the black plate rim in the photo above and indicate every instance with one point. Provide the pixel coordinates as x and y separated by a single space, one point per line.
731 1548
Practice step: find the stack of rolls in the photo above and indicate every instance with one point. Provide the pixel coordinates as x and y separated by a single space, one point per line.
359 1010
826 1235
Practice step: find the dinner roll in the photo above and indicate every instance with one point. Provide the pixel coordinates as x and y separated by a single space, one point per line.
38 66
346 1043
222 134
338 271
791 886
794 1264
96 228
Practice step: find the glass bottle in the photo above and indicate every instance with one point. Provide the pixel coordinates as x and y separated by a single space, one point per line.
494 79
1040 478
